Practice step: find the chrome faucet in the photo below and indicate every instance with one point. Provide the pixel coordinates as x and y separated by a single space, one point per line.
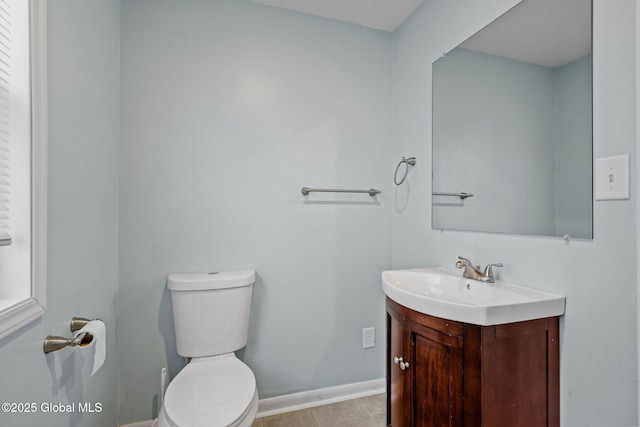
473 272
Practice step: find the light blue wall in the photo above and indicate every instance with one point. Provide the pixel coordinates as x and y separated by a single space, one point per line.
83 49
228 109
599 331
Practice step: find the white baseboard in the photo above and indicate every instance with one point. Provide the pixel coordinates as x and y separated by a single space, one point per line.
140 424
307 399
323 396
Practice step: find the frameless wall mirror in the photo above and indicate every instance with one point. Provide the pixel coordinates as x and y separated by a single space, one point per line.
512 125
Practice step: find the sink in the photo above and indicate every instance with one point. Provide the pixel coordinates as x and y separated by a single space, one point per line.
444 293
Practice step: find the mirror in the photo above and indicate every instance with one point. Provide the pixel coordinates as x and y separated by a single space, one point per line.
512 125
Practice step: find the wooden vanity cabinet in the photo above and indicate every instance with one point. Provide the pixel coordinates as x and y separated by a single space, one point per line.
447 373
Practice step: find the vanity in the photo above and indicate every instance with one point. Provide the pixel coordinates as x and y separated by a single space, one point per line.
465 353
511 153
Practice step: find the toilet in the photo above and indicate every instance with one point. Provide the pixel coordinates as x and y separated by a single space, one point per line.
211 321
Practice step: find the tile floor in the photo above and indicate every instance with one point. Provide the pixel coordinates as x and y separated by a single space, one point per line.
364 412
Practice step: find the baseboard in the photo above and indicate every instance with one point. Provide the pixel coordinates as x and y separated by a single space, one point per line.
140 424
307 399
323 396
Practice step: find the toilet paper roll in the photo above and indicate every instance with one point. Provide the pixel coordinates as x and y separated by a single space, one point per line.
97 329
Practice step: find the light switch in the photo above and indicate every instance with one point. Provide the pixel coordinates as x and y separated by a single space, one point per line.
612 178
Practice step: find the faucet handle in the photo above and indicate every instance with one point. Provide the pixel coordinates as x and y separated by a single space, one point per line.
463 262
488 271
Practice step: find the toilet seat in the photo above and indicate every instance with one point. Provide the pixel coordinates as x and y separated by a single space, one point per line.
211 391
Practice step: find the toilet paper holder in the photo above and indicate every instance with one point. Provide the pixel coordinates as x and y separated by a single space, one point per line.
55 343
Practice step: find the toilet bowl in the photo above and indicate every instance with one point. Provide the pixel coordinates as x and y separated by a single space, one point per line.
211 317
213 391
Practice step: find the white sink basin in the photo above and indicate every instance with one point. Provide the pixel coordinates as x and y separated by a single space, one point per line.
445 293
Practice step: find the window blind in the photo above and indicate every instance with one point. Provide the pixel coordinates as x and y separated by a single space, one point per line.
6 62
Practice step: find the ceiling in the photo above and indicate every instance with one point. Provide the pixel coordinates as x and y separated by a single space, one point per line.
550 33
384 15
544 32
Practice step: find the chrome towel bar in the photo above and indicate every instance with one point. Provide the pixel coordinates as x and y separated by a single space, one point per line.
306 190
462 195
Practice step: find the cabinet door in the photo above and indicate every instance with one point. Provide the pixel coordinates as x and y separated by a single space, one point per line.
520 374
436 377
397 404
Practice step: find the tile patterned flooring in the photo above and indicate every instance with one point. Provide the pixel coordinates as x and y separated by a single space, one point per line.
364 412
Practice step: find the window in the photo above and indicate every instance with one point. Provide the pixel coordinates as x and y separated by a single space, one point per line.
23 163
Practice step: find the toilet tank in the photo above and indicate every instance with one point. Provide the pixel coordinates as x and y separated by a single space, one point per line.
211 311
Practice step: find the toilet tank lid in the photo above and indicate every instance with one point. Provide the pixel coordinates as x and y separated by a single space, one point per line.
210 281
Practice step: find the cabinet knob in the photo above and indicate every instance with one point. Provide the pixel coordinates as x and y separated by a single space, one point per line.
400 361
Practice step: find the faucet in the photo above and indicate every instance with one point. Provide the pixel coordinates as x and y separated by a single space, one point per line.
473 272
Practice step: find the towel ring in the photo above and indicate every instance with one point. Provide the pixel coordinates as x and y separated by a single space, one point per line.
410 161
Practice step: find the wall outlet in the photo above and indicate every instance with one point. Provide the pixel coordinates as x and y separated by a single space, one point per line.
368 337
